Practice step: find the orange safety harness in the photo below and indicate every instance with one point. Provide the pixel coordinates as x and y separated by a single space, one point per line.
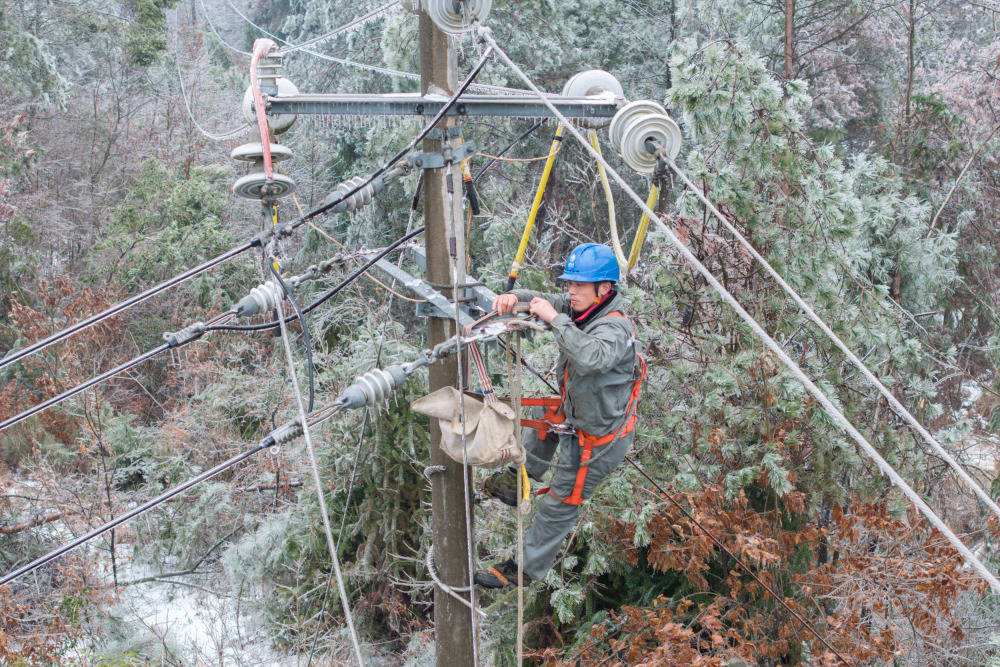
554 415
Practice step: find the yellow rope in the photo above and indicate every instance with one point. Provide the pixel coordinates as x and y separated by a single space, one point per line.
640 233
616 242
517 159
344 248
549 160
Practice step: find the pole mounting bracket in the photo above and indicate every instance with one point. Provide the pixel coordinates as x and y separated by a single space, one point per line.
447 155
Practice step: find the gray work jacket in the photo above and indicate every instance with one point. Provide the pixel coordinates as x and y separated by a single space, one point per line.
602 363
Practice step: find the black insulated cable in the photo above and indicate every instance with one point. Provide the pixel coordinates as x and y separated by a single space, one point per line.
145 507
409 147
256 241
327 295
125 305
86 385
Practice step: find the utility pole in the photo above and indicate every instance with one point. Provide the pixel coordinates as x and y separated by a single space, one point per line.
445 243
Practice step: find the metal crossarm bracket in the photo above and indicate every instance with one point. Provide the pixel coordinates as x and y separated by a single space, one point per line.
447 155
414 104
482 297
436 304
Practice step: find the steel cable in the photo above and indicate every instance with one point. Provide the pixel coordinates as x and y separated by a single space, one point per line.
125 305
162 498
320 495
347 26
364 424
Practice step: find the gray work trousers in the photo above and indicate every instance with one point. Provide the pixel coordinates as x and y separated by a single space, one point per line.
554 518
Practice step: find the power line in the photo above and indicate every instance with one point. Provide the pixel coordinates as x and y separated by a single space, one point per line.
374 68
126 304
258 240
141 509
329 293
347 26
212 136
894 402
769 342
320 494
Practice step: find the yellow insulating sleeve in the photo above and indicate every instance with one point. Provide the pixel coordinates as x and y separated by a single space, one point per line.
640 233
274 223
525 484
519 255
466 172
616 243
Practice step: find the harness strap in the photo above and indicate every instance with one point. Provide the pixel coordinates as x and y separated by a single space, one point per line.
587 441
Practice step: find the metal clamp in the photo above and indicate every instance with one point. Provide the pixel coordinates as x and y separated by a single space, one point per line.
448 155
444 133
185 335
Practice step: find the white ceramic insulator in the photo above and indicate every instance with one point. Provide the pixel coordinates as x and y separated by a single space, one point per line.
279 123
362 197
443 13
593 82
261 299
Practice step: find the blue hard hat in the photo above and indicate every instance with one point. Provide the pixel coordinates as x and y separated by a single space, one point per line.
591 263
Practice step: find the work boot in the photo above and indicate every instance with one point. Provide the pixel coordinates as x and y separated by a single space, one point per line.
502 486
501 575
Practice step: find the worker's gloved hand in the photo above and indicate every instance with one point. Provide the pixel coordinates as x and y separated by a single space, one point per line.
543 309
504 304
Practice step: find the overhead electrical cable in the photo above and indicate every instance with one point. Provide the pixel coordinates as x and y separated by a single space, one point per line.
894 402
258 240
212 136
769 342
208 20
126 304
344 28
329 293
320 493
373 68
193 332
183 337
131 514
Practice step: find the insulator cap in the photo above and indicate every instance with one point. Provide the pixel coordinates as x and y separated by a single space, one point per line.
253 152
593 82
261 299
256 185
279 123
635 125
447 19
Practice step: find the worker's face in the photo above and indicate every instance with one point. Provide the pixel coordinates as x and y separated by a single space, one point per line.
583 295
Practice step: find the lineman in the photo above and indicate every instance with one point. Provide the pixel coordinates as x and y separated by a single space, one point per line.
600 373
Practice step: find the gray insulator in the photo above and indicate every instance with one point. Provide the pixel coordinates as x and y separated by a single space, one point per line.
372 388
287 432
261 299
362 197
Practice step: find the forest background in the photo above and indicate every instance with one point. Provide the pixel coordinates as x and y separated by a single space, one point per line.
853 141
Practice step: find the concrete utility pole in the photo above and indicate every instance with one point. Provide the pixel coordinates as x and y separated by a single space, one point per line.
445 243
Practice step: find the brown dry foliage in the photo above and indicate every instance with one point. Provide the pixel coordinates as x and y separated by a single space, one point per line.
889 578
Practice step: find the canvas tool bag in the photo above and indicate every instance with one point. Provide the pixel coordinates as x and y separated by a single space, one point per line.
490 437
